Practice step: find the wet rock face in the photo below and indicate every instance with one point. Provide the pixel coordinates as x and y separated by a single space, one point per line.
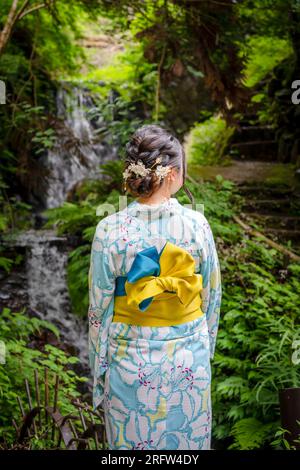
13 287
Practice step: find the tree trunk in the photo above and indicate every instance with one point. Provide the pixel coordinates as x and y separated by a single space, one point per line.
14 16
8 26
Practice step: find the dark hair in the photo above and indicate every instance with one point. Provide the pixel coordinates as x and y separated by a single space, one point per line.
146 144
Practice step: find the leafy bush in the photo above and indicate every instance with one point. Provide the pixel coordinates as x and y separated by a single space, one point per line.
258 328
263 54
207 141
14 216
20 360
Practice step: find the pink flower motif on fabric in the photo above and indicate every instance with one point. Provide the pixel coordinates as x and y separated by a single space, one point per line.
93 320
208 420
142 379
179 377
103 363
124 229
143 445
182 381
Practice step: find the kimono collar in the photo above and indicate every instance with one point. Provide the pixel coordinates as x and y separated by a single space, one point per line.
154 211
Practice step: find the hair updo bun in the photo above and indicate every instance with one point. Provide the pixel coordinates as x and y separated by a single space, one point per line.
147 144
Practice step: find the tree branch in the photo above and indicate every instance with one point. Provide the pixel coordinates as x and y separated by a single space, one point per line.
14 16
30 10
25 4
267 240
157 91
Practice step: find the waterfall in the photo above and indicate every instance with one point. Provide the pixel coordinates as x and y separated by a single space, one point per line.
78 151
47 292
77 154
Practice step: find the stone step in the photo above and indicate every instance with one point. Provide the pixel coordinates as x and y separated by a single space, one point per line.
279 221
282 234
265 190
259 173
267 204
253 133
248 119
274 211
283 207
263 150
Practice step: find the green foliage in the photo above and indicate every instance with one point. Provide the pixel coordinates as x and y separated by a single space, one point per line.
43 48
263 54
17 331
256 340
53 33
14 216
121 117
129 74
208 140
180 41
69 217
125 96
77 275
281 441
14 212
249 433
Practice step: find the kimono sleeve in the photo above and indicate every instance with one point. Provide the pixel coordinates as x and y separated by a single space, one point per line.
212 288
101 281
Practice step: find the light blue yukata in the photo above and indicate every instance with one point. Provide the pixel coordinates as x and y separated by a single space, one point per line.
154 383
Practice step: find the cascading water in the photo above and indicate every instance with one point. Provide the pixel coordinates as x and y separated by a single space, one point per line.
45 265
78 152
46 253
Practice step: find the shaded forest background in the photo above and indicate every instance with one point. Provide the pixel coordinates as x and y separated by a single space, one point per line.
80 77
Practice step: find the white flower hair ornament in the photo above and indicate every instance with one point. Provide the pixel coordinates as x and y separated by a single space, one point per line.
140 169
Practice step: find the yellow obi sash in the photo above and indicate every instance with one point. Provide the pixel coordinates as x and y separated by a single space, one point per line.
160 289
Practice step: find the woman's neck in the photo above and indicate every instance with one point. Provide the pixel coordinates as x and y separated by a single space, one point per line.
153 200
